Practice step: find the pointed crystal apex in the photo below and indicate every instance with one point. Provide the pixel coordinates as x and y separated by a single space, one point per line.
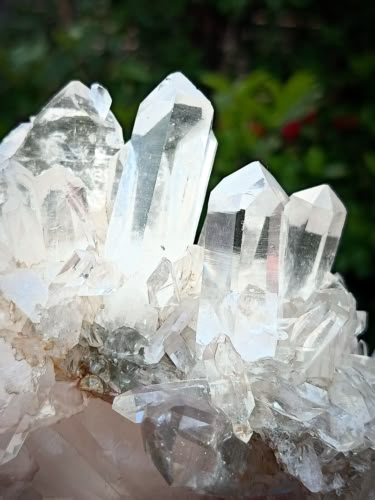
76 131
312 226
71 97
162 189
13 141
238 190
240 278
75 87
173 88
101 99
323 197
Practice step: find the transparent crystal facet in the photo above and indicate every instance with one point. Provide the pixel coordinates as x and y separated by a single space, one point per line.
244 362
313 221
164 179
240 279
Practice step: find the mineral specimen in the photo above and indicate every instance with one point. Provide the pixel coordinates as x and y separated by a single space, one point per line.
314 219
164 179
239 294
238 357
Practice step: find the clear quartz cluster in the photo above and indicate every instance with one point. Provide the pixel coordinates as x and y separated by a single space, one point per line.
237 360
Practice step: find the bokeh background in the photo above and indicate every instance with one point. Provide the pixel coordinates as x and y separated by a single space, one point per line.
292 82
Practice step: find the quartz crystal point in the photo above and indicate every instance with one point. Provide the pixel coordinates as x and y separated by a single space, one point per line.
320 331
76 130
192 445
164 179
240 286
229 386
313 221
56 175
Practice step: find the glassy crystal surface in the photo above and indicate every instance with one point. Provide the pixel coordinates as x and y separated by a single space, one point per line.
320 331
132 404
191 444
239 295
192 430
242 358
30 398
229 385
76 130
164 179
95 455
313 222
56 175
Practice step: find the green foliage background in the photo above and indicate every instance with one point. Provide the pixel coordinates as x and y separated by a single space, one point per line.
291 80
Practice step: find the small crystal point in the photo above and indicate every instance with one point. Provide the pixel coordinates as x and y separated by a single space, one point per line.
165 175
229 386
101 99
240 277
132 404
312 225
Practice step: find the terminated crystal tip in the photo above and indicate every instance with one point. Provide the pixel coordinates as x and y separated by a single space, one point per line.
240 276
101 99
313 222
165 176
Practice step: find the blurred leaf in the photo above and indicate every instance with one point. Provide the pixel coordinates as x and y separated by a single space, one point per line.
216 81
298 96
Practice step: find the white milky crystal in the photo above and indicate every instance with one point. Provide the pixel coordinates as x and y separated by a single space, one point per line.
85 274
59 327
25 288
13 141
240 279
129 306
29 398
20 220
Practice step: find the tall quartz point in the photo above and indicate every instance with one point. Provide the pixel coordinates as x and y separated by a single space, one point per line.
313 222
164 180
76 130
241 265
56 178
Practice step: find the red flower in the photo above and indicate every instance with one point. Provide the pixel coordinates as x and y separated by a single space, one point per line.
291 130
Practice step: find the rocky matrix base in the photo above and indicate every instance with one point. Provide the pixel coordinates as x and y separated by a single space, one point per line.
236 361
